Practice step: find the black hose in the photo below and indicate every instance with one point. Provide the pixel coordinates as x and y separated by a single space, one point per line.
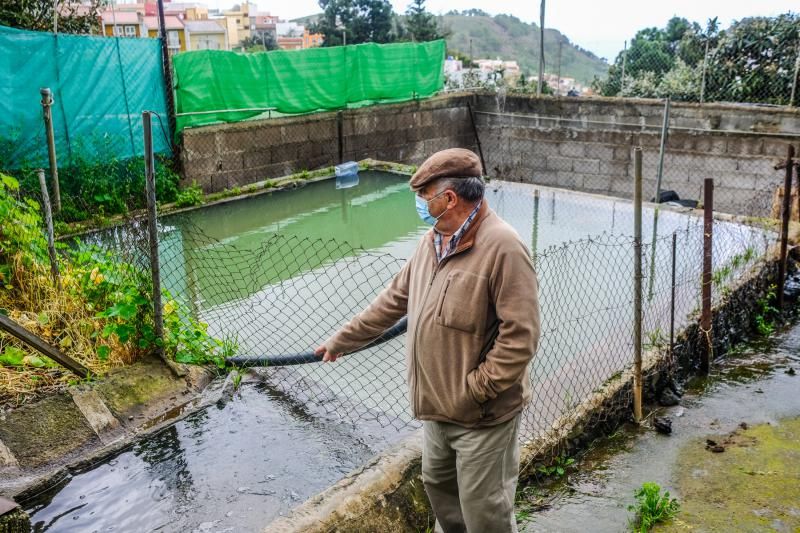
244 361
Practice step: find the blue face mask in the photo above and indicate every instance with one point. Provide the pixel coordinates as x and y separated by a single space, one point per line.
424 213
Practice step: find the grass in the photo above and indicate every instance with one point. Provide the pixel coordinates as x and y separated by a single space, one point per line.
652 507
99 313
765 324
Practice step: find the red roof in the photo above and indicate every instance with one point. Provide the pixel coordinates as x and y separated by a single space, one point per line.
172 22
124 17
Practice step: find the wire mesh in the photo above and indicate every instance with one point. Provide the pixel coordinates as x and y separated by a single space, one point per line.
275 294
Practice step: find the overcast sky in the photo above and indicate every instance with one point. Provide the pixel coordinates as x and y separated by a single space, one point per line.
595 25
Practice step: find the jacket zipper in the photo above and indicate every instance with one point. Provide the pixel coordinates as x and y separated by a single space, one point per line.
436 270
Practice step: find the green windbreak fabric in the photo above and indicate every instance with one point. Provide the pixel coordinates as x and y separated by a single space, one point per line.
215 86
100 87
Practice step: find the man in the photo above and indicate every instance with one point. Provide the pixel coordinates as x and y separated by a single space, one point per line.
470 293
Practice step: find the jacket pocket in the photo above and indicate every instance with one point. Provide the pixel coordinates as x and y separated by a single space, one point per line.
463 302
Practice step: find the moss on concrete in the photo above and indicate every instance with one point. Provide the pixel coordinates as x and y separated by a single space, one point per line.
754 485
45 431
128 391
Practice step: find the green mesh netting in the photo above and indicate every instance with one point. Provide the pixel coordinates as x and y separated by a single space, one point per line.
216 86
100 87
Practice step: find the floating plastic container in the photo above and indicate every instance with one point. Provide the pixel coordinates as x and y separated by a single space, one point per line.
346 175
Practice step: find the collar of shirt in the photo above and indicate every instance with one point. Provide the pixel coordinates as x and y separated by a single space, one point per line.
453 243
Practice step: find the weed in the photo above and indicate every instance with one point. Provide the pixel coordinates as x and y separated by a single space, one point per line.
558 468
237 380
765 325
190 196
656 338
652 507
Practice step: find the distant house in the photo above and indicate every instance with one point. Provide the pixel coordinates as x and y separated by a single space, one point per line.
311 40
122 24
176 32
205 35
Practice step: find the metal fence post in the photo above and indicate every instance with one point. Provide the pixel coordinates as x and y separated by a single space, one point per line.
793 95
705 316
152 229
47 102
162 32
624 60
703 77
477 139
541 49
48 217
672 300
664 134
786 210
637 285
340 136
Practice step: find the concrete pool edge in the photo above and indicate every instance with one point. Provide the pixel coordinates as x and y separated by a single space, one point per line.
106 421
392 481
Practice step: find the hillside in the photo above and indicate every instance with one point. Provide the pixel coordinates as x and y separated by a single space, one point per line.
509 38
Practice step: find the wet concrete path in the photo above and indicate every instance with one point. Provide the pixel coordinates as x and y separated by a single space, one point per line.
753 486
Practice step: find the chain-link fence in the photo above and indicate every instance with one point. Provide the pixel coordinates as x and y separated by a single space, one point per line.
270 292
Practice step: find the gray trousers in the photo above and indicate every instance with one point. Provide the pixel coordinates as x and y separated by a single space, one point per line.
470 476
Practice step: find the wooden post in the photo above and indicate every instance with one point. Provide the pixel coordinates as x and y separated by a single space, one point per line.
637 285
786 209
48 217
41 345
706 341
47 102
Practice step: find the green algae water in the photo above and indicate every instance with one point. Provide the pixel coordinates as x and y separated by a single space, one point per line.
279 272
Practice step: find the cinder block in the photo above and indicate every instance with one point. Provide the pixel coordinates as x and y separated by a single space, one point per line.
257 158
614 168
604 152
586 166
284 152
572 149
559 163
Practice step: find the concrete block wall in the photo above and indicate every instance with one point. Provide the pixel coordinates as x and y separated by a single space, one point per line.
587 144
229 155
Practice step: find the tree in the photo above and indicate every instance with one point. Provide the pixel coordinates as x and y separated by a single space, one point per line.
755 60
259 42
363 21
752 61
38 15
420 24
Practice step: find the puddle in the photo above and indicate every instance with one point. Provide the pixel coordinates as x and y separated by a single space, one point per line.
753 387
217 470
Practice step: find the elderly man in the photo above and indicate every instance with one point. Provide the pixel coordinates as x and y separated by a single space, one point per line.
470 292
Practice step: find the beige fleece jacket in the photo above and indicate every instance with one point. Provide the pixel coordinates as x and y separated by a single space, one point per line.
455 307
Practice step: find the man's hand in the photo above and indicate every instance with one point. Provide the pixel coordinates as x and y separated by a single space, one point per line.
327 356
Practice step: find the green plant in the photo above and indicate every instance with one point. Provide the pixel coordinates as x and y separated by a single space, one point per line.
656 338
558 468
303 175
190 196
237 380
652 507
765 325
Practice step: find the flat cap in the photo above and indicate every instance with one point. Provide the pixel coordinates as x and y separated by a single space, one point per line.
450 163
